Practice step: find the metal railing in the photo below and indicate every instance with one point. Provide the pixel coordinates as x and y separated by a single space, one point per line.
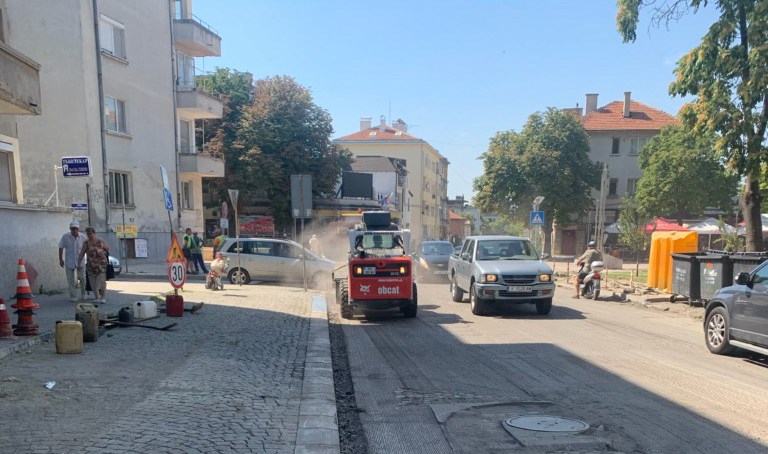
205 25
200 150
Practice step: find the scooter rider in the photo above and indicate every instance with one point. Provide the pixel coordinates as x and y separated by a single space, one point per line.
589 256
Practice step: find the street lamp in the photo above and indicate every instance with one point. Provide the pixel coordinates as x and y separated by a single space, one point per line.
536 202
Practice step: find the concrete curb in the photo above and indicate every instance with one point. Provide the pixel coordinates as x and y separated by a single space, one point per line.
29 343
318 427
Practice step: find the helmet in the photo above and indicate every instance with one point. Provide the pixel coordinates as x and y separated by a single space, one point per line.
591 244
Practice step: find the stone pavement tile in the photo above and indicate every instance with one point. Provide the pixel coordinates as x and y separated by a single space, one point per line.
327 437
318 422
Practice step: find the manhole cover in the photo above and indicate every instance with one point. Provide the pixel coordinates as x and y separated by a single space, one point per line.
543 423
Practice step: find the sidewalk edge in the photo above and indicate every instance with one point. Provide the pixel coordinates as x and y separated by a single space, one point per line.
30 342
318 430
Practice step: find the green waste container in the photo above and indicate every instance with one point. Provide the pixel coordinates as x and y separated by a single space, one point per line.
685 276
715 272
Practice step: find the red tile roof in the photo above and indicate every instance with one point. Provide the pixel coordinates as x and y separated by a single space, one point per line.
375 133
611 118
452 215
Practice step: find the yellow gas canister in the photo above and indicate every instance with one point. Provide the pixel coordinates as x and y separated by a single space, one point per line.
69 336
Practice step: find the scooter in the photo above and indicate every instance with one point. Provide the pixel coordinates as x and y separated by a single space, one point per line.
590 285
213 279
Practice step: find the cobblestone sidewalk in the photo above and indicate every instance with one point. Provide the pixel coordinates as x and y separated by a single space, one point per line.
228 379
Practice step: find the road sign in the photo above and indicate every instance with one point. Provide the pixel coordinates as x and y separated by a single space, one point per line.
166 190
177 274
233 195
537 218
76 166
301 196
174 253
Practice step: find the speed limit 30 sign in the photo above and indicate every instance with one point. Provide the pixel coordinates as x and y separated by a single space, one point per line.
177 274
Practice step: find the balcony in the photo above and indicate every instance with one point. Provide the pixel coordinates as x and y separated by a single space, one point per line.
195 38
19 83
202 163
195 104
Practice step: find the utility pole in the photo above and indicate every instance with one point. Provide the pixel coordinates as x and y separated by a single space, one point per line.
600 215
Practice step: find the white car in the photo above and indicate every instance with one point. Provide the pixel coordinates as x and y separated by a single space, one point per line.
273 260
116 265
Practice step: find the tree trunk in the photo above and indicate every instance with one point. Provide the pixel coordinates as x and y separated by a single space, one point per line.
637 264
547 232
750 205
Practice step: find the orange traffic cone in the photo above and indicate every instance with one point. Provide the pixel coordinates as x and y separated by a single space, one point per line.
24 305
6 332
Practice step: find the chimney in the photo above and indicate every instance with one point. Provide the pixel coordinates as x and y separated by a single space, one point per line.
365 123
627 98
591 104
382 122
400 125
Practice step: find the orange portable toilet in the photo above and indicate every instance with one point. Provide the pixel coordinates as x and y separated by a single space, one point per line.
663 244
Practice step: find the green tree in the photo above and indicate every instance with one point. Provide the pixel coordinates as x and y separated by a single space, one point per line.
680 169
727 74
632 233
729 238
273 132
549 158
504 226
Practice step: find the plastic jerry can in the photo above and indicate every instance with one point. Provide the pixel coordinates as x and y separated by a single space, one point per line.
144 309
174 305
125 314
69 336
90 322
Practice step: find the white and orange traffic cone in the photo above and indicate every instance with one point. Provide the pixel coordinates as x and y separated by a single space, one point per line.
24 305
6 331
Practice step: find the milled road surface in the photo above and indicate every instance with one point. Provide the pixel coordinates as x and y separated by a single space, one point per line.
642 379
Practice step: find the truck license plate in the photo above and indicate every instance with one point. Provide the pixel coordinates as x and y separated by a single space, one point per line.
369 270
519 289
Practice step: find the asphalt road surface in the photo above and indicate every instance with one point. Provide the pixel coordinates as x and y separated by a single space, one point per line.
642 379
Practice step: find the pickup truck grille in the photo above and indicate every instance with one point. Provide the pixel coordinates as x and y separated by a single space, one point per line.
519 279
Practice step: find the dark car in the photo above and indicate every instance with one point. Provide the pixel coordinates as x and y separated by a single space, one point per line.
431 261
738 315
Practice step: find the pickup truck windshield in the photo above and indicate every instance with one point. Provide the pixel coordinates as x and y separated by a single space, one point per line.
506 250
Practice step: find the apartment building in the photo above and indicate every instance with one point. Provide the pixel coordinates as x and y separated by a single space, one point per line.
425 211
617 131
118 80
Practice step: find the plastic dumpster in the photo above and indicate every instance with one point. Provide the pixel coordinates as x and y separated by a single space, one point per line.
685 276
745 262
715 272
660 264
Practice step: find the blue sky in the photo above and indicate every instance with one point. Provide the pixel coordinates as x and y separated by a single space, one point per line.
456 72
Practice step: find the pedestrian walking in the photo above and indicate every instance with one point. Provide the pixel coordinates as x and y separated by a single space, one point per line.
197 253
97 252
315 245
186 249
72 262
219 241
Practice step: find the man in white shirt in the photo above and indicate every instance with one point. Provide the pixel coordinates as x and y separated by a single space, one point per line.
315 246
72 243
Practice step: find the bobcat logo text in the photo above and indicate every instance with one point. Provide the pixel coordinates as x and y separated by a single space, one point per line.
365 289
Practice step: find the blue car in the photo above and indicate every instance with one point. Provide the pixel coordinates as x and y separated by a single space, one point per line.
737 317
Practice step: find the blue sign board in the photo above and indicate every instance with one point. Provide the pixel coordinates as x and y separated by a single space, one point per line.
80 206
76 166
168 199
537 218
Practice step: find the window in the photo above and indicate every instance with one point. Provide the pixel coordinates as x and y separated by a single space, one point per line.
760 276
635 145
254 247
186 70
632 186
613 186
186 196
6 172
112 37
186 147
120 188
114 113
615 146
179 9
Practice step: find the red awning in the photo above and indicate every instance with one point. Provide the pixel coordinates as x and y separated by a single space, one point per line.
664 225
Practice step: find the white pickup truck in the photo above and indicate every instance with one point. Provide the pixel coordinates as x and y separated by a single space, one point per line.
500 269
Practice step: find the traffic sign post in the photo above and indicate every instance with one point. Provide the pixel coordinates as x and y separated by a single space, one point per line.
537 218
177 274
174 253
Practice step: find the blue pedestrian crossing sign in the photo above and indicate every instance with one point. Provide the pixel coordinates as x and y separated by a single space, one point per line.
537 218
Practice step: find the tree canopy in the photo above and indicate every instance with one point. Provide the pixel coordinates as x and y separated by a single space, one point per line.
680 169
274 132
549 158
728 74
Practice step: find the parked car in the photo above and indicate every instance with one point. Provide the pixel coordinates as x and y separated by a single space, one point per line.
273 260
116 265
738 315
431 260
501 269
